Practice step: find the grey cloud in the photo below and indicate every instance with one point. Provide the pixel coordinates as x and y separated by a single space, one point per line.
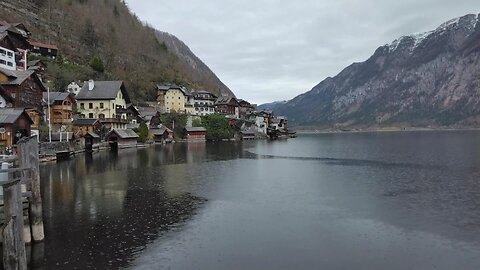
267 50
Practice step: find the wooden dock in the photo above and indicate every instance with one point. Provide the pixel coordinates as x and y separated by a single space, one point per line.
22 209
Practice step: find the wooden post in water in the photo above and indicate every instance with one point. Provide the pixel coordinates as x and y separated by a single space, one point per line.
14 255
28 158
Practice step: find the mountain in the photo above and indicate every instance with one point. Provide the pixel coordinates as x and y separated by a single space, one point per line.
427 79
199 72
130 50
271 106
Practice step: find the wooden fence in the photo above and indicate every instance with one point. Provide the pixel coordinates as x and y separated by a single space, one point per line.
18 228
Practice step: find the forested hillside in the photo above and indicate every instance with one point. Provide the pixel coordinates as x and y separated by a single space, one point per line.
102 39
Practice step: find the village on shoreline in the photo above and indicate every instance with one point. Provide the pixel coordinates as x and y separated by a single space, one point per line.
94 114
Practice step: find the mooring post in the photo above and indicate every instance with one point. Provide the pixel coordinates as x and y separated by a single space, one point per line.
14 255
28 158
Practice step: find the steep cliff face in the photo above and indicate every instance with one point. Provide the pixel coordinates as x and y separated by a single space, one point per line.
131 51
201 74
428 79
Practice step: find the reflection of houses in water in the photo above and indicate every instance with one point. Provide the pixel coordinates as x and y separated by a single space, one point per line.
196 151
118 201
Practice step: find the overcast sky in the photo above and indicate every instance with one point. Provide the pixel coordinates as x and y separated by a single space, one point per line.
269 50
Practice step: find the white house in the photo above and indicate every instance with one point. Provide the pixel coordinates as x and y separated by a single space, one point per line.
7 59
203 103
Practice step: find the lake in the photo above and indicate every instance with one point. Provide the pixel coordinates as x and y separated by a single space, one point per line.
400 200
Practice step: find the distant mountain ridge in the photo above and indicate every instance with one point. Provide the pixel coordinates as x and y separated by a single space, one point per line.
427 79
271 105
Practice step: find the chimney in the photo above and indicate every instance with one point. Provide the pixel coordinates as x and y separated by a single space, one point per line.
91 85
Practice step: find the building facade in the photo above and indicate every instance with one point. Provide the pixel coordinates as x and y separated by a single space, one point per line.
228 106
173 98
61 107
7 59
14 125
24 87
104 100
204 103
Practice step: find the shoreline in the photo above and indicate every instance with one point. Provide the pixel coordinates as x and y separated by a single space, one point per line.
380 130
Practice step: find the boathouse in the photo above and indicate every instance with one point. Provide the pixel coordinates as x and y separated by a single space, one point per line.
91 139
162 134
14 125
247 135
195 133
122 138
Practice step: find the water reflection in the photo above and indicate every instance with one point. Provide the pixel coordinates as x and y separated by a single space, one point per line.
102 209
355 201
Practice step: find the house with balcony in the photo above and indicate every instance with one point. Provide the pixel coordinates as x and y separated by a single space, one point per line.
26 90
228 106
61 107
204 103
106 101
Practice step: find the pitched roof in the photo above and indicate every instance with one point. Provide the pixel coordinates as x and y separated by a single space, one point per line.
247 132
147 111
105 90
197 92
93 134
42 45
160 131
33 63
84 122
55 96
166 87
225 100
10 115
124 133
16 77
9 28
195 129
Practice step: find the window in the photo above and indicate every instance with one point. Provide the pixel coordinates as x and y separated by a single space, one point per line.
82 106
101 116
178 97
90 105
101 105
113 105
10 64
3 62
10 54
90 115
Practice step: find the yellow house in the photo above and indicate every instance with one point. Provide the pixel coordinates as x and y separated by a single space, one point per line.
104 100
173 99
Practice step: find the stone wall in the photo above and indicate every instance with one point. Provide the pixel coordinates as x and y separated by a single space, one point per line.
50 149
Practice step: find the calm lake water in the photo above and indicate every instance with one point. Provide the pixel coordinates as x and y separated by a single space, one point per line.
333 201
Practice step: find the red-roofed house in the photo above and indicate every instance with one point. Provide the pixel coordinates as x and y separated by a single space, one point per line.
44 49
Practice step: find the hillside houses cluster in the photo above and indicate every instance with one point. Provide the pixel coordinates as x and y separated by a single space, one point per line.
100 109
